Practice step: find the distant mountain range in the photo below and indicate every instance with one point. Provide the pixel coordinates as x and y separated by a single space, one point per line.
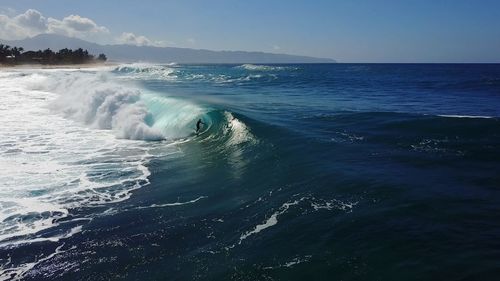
131 53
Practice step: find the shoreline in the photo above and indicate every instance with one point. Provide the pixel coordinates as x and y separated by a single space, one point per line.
57 66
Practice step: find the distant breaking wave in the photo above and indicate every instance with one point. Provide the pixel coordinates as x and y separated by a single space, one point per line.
261 67
148 71
466 116
172 73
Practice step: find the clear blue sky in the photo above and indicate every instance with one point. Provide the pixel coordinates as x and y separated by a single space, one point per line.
346 30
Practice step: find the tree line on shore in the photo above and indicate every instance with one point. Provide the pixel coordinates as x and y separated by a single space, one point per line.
15 55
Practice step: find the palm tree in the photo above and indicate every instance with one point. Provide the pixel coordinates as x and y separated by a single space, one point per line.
5 50
15 51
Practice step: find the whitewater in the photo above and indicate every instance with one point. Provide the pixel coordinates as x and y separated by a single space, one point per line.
63 147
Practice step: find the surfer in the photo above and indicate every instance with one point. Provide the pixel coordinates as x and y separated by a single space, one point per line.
198 125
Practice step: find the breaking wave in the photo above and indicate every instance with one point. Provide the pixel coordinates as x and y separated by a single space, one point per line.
128 111
148 71
51 164
261 67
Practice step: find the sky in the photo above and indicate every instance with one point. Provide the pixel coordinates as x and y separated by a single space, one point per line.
345 30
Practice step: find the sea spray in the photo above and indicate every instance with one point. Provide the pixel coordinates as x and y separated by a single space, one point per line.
103 104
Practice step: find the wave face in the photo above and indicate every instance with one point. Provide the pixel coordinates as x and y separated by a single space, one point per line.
297 172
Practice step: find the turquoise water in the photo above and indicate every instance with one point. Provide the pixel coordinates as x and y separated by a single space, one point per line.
302 172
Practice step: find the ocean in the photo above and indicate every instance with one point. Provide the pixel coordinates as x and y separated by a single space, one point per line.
300 172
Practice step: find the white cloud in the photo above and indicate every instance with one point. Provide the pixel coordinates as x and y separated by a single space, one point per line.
32 23
76 26
10 30
80 24
130 38
276 47
31 20
191 41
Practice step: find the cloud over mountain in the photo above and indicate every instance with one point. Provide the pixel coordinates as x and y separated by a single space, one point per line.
32 23
75 24
130 38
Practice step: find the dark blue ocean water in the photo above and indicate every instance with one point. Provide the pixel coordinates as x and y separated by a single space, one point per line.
306 172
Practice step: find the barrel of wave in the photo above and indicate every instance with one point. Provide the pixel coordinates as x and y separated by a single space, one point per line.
174 118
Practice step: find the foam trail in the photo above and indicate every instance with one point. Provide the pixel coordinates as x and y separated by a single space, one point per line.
314 203
173 204
261 67
292 263
17 273
466 116
271 221
71 232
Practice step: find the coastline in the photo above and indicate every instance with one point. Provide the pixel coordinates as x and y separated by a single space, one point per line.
58 66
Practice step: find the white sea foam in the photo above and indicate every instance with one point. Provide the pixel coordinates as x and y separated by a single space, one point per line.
18 272
261 67
466 116
55 238
238 132
332 204
101 103
173 204
59 149
315 204
271 221
148 71
291 263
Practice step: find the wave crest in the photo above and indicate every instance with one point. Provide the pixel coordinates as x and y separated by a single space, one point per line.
103 104
148 71
262 67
